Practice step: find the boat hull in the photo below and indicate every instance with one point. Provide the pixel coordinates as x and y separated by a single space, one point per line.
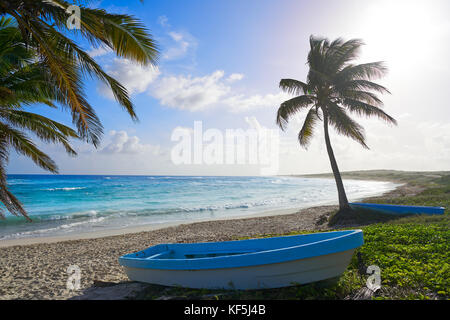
255 277
245 264
399 209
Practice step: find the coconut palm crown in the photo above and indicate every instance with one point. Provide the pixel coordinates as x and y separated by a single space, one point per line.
45 25
334 89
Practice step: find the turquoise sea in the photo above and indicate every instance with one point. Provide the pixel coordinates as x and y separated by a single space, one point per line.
71 204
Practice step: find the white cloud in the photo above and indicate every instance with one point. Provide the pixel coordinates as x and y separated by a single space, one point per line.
191 93
163 21
242 103
100 51
176 36
134 77
235 77
121 142
210 91
182 45
178 44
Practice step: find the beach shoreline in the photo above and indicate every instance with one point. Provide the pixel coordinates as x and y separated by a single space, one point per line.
39 270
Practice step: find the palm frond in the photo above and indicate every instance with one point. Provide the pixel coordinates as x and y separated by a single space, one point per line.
365 71
23 145
367 110
43 25
27 85
364 96
293 86
290 107
340 53
11 203
88 65
316 59
344 125
123 33
306 132
67 77
44 128
360 85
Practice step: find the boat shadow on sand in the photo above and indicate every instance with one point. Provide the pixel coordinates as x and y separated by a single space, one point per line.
110 291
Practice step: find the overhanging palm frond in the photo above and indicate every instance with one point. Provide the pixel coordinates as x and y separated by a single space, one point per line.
316 56
365 96
68 79
27 85
360 85
344 125
23 145
340 53
124 34
90 66
292 106
365 109
44 128
306 133
26 79
11 203
43 26
364 71
292 86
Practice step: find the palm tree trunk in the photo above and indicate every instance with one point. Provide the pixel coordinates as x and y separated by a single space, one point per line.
343 202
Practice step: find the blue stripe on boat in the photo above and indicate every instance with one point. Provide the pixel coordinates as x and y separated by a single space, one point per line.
242 253
399 209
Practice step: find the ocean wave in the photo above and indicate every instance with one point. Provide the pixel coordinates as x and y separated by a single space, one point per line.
146 212
51 217
64 189
244 205
17 181
277 181
52 230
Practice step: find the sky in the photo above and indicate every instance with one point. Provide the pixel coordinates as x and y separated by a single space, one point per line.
221 62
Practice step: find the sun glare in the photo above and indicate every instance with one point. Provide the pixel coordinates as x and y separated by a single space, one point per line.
398 32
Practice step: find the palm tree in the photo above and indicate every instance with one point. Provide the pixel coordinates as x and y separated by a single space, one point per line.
25 81
334 88
43 24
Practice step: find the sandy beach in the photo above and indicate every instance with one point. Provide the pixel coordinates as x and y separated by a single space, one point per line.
39 270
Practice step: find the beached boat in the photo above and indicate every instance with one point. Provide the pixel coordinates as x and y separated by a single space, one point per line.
398 209
245 264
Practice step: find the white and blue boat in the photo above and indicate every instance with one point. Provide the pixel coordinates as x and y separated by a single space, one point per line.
245 264
398 209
